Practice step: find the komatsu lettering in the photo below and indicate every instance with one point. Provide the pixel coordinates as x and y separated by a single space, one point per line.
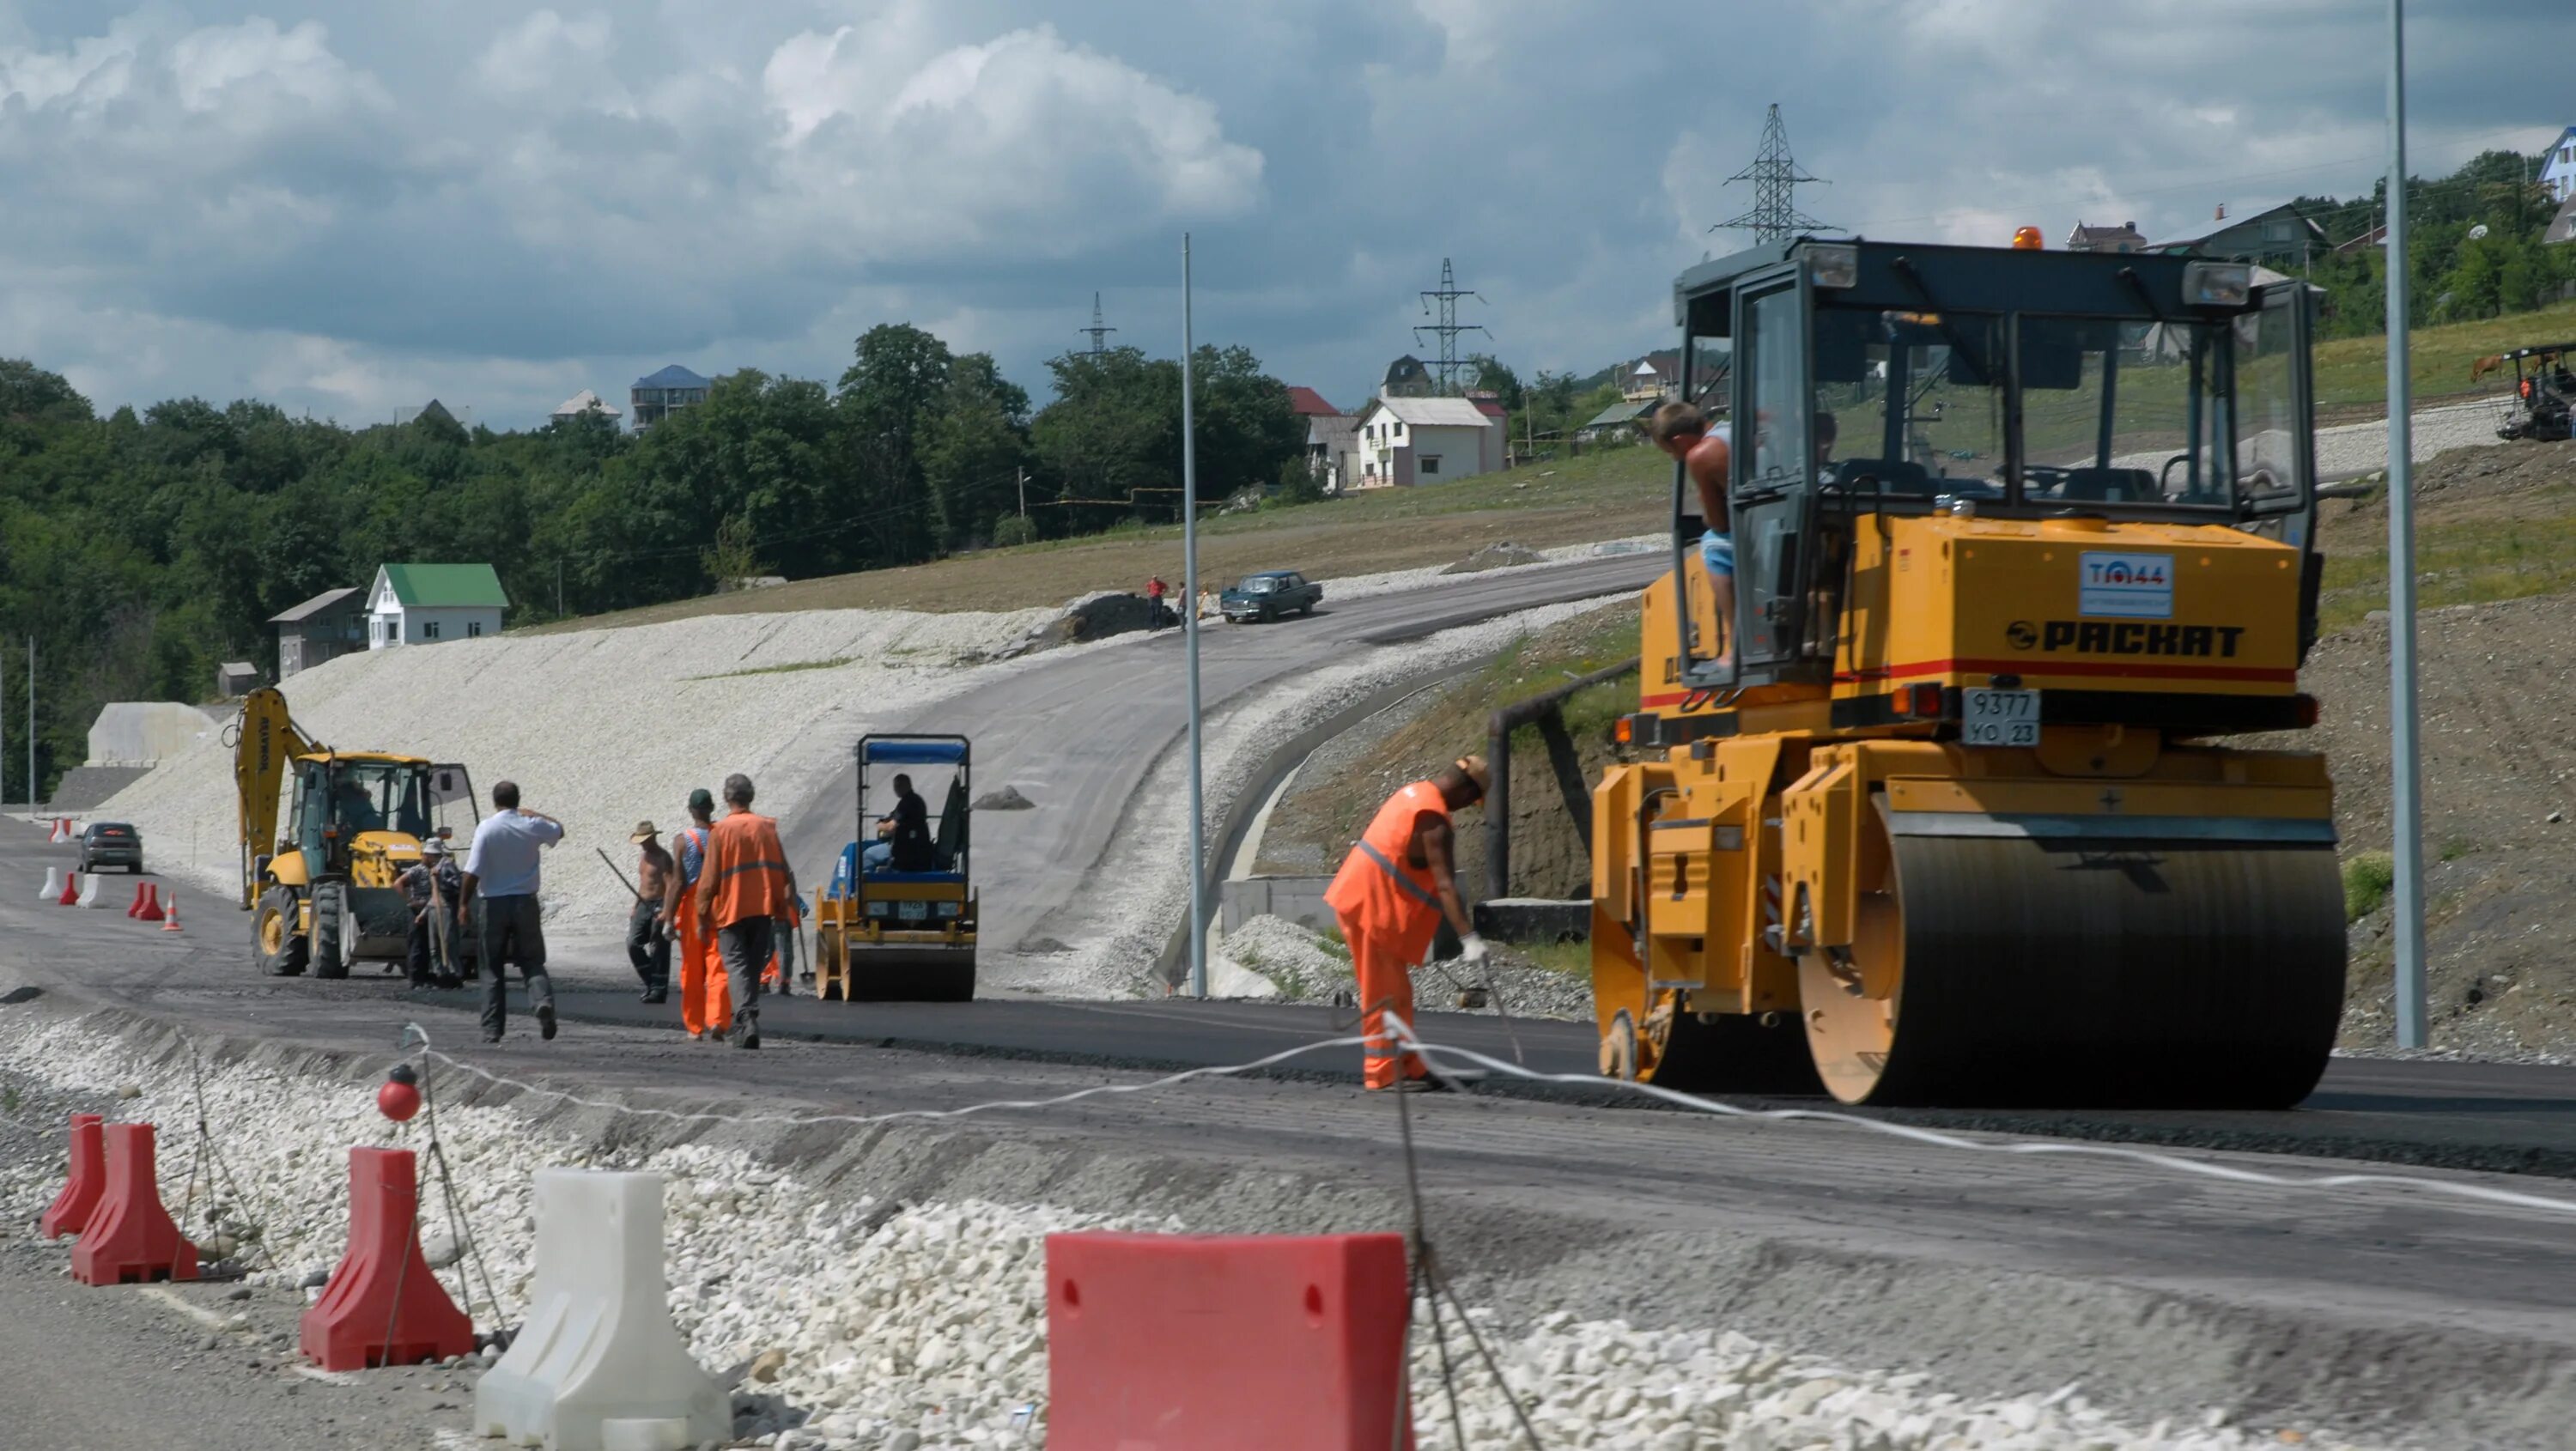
2138 637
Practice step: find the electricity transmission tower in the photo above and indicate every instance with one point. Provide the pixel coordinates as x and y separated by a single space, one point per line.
1098 329
1448 327
1775 176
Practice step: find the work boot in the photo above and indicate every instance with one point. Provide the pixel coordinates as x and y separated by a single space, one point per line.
546 1021
748 1034
654 995
491 1037
1422 1085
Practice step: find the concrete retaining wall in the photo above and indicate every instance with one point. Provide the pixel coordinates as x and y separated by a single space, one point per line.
142 732
1299 899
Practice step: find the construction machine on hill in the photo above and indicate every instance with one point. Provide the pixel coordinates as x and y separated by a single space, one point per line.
2022 538
323 891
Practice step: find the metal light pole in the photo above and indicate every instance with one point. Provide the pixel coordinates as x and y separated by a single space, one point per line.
2406 774
1190 601
31 727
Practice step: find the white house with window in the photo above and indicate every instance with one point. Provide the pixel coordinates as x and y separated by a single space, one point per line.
429 604
1406 441
2558 166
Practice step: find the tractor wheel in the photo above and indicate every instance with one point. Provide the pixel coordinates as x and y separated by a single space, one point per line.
274 940
330 930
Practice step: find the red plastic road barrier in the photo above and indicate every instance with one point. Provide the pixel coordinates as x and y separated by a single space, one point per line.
71 891
1295 1343
129 1238
170 919
72 1208
136 910
151 911
383 1306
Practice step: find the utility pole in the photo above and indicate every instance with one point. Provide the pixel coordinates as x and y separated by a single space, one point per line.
1098 330
1775 176
31 727
1022 475
1448 326
2406 769
559 609
1190 596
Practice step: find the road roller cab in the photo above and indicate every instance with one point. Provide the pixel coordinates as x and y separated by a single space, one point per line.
897 921
2019 536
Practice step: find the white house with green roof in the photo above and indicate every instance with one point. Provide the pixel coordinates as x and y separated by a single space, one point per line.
427 604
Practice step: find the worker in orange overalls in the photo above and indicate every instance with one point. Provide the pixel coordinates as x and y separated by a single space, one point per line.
742 891
1390 895
705 1005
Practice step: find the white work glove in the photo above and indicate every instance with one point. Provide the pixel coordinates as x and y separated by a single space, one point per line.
1472 948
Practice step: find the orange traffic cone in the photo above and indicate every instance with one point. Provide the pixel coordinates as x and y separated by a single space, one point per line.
71 890
170 913
151 903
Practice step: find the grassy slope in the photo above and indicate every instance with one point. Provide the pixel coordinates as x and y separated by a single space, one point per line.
2492 523
1606 495
2352 373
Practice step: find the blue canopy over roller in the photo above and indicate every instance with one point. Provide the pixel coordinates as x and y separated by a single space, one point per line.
912 750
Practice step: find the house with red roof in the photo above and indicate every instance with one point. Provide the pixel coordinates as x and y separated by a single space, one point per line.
1330 434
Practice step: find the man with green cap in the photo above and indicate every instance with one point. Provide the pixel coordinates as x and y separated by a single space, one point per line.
706 1006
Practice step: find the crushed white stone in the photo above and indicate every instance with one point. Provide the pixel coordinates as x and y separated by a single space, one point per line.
601 728
928 1330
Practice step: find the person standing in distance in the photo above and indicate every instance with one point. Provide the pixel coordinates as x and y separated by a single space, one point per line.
1389 897
648 947
1685 433
742 890
704 1010
502 867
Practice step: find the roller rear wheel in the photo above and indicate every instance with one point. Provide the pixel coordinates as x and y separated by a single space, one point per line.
2006 970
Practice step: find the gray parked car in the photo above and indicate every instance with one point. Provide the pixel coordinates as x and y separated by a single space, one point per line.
111 844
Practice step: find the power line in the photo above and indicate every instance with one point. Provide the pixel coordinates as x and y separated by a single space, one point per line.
1098 329
1775 176
1448 327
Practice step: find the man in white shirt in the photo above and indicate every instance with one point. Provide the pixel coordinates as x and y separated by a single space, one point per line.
502 870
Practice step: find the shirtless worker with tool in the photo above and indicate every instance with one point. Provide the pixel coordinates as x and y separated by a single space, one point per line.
1390 896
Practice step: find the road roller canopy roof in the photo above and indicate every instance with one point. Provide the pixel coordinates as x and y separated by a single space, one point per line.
912 750
1910 276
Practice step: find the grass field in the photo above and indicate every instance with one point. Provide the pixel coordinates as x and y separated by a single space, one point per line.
2352 373
1605 495
2492 523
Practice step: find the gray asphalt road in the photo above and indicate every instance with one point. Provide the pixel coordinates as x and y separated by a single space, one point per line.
1079 735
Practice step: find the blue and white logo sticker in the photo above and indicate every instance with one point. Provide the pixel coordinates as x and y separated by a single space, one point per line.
2127 586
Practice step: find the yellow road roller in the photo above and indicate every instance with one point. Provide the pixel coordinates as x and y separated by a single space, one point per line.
1943 810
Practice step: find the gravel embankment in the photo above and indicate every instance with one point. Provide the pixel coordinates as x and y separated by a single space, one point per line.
601 728
907 1327
1272 957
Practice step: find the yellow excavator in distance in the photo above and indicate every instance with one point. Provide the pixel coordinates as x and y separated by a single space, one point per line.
1947 812
322 891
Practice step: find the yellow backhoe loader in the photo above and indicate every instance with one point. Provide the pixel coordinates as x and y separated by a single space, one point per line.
322 891
1946 812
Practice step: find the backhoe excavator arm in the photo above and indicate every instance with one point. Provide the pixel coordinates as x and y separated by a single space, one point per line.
266 742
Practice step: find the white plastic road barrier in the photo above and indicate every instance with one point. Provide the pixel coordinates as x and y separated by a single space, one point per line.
53 891
62 831
599 1366
89 892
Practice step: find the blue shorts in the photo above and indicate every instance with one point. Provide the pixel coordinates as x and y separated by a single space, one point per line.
1717 551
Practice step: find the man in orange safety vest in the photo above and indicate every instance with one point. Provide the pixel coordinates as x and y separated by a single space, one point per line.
742 892
1390 896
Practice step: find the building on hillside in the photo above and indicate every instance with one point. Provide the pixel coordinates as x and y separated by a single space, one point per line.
2375 237
657 396
1329 432
1656 375
428 604
1407 378
235 679
2123 238
584 404
2558 166
1619 419
331 624
2282 237
1407 441
439 413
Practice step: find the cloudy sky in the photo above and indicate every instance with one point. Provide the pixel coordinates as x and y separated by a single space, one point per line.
350 207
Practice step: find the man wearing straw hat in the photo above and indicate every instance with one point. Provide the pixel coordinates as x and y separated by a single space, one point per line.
1390 896
647 946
